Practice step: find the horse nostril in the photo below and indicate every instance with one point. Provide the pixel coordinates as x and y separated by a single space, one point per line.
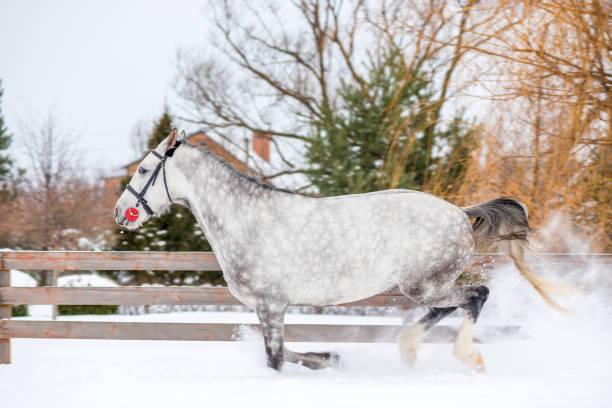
116 212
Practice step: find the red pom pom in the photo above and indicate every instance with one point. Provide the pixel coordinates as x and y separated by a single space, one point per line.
131 214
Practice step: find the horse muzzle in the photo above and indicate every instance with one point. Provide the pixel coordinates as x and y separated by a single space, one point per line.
131 214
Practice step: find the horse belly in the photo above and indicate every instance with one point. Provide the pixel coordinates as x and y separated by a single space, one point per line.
338 288
349 270
357 256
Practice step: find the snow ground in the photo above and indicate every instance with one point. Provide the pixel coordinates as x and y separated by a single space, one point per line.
565 362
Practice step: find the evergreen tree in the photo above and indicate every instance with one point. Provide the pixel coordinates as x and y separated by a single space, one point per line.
162 129
10 178
5 142
386 134
176 231
5 163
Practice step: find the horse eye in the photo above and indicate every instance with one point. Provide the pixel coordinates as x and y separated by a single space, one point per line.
142 170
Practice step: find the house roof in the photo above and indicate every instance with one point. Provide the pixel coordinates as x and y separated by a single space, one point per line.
211 144
255 164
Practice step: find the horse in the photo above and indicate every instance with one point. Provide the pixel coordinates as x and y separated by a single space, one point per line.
277 248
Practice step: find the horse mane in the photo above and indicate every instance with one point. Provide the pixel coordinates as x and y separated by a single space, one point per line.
238 174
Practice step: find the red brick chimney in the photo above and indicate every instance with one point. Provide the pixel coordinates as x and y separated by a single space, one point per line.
261 145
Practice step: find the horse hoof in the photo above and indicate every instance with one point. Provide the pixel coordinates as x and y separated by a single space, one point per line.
317 361
334 359
474 361
479 364
409 356
275 363
330 359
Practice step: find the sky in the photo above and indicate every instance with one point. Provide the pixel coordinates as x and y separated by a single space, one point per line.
99 66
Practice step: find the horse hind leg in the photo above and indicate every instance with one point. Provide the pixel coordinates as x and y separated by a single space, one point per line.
464 348
442 300
409 339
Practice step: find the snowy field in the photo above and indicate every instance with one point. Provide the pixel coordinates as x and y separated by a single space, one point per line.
561 361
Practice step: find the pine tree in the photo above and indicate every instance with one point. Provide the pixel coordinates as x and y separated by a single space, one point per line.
5 168
5 142
162 129
387 134
10 180
176 231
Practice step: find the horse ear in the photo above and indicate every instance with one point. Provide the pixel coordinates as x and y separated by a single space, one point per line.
171 139
183 136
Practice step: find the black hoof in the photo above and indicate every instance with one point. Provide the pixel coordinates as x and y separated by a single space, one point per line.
275 363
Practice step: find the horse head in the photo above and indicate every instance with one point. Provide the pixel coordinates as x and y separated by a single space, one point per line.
147 195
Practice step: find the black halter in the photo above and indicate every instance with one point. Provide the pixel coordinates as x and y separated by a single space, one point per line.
160 166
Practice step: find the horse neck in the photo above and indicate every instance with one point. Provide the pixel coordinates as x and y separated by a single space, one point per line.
214 193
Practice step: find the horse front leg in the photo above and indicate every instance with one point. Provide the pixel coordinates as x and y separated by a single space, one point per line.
271 318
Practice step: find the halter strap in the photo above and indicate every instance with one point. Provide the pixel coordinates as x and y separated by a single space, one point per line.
151 181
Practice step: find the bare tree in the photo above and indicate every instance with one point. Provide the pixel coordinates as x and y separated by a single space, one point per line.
58 204
545 68
277 66
552 104
274 78
437 37
52 154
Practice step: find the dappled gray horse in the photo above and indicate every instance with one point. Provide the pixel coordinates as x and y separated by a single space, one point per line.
278 249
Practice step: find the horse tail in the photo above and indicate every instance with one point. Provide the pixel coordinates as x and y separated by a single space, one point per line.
504 220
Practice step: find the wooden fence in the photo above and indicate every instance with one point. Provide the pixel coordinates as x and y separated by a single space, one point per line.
86 261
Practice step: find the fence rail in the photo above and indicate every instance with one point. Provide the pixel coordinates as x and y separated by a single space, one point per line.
198 261
83 261
109 260
346 333
135 295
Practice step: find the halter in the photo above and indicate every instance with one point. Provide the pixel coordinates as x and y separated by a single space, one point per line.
160 166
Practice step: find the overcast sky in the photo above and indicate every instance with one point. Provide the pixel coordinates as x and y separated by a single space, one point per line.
100 66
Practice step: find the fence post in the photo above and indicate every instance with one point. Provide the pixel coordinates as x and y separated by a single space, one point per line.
5 313
54 308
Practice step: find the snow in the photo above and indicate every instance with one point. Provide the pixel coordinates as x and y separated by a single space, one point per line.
563 360
92 373
19 278
87 280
